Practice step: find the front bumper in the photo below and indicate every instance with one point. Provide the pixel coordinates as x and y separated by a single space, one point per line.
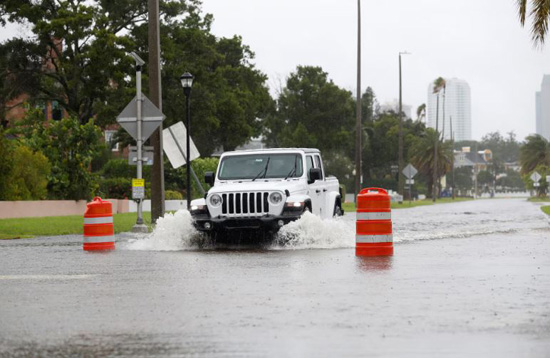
203 222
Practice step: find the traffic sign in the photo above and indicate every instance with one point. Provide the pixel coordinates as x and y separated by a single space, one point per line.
138 188
151 118
535 177
174 142
409 182
146 155
409 172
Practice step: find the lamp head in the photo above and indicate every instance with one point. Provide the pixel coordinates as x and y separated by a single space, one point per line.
187 80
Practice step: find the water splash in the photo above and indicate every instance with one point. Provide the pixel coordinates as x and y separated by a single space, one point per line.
174 232
311 232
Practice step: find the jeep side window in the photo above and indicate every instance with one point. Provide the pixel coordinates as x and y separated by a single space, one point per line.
309 165
318 162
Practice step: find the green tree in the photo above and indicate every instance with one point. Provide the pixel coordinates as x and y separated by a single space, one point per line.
77 55
505 150
542 188
312 112
539 12
421 112
70 147
533 153
511 180
176 177
6 163
463 179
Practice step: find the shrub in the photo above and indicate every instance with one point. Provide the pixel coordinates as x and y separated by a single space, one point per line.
25 173
115 188
173 195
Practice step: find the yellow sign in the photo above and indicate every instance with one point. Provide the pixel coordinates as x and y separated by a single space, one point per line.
138 182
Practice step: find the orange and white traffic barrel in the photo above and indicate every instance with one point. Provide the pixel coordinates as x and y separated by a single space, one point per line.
374 235
99 231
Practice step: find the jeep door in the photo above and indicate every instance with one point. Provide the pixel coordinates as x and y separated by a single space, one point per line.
316 188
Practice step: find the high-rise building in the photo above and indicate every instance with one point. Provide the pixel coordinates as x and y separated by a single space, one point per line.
542 100
454 104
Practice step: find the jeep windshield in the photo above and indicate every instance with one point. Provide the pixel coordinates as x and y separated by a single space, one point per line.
260 166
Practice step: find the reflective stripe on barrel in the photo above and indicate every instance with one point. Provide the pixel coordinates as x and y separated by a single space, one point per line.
374 216
373 238
99 220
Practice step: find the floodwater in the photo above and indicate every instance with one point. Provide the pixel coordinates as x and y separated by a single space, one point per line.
466 279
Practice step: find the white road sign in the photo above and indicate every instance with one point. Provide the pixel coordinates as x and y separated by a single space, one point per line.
409 171
151 118
535 177
174 143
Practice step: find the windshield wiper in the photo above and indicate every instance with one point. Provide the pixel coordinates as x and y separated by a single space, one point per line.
264 170
293 171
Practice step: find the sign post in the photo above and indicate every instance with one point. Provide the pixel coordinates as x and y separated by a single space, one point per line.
409 172
140 118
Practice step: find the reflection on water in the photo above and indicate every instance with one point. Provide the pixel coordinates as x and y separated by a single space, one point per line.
374 264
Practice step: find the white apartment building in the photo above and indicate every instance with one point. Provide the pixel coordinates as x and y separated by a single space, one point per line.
542 99
457 102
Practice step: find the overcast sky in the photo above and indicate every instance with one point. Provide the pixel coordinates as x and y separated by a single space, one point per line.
480 41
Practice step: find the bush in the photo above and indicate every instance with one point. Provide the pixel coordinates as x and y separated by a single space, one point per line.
24 172
176 178
173 195
115 188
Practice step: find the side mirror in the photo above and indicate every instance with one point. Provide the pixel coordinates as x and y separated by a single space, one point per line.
314 174
209 178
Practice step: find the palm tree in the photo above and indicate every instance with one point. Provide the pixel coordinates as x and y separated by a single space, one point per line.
535 152
421 112
539 14
423 154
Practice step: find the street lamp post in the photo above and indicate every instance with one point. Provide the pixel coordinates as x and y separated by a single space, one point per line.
400 185
187 82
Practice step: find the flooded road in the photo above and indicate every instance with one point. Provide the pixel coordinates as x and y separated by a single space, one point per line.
467 279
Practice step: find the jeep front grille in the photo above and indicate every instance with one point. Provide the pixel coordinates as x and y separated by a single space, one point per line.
245 204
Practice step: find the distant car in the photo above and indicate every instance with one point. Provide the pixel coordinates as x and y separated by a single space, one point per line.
266 189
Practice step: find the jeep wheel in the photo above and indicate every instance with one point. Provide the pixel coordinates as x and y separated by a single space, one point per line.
337 210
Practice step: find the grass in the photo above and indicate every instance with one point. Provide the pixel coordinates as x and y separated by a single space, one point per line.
545 209
60 225
349 207
536 199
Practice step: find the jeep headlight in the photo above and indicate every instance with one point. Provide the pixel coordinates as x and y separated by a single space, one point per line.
215 200
275 198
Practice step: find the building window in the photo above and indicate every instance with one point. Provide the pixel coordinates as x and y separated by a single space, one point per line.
109 140
57 111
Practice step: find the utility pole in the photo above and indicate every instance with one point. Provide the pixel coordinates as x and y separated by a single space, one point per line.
139 226
155 94
435 174
358 126
400 184
452 159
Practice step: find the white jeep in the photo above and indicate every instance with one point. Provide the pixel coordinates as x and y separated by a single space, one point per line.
266 189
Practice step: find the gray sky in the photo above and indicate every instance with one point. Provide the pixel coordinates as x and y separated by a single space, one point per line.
480 41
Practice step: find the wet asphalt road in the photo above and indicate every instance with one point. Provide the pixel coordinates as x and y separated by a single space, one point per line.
467 279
